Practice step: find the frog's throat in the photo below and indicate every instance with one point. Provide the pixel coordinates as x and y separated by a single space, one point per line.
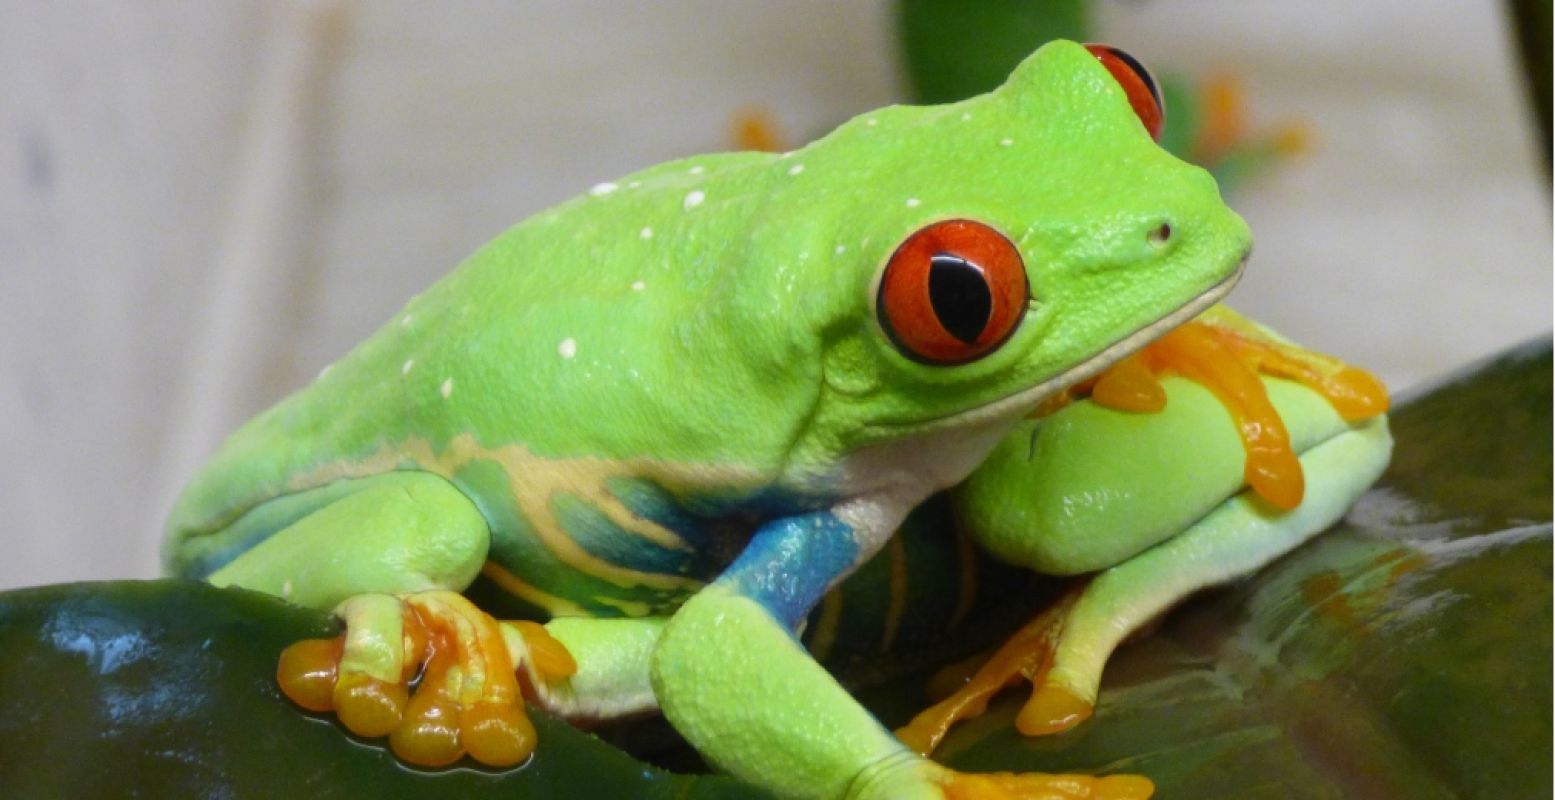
1023 401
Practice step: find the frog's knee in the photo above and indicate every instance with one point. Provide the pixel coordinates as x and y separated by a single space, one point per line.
398 532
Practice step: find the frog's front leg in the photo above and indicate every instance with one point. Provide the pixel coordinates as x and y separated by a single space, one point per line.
732 677
390 558
611 677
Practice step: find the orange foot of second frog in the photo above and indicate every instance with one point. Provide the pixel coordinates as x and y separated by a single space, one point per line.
467 700
1026 655
1038 786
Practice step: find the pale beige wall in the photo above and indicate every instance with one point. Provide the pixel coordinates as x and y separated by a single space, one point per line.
202 204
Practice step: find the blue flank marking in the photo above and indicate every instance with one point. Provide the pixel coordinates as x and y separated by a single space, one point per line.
594 532
790 562
651 502
516 548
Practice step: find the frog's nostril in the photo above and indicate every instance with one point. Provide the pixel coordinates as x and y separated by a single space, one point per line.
1160 234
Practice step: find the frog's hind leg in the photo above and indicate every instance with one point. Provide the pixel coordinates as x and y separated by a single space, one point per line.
1239 537
610 679
390 557
1063 651
392 533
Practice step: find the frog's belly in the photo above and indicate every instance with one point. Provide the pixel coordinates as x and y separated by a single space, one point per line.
625 550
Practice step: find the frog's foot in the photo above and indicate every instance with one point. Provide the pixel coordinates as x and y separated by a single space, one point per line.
1028 654
1041 786
435 674
907 776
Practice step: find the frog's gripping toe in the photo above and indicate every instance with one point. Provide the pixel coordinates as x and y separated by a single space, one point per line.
1039 786
432 672
1052 709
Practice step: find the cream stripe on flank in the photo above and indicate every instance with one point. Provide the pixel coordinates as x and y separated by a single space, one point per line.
896 551
826 626
966 593
513 585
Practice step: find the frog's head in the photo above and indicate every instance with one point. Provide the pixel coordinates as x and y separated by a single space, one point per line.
955 264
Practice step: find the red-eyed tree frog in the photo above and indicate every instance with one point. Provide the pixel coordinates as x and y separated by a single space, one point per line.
670 414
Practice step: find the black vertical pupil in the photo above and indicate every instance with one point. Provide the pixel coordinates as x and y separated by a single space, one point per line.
959 293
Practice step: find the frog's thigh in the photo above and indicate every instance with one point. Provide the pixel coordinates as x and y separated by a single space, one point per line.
1236 538
401 532
612 678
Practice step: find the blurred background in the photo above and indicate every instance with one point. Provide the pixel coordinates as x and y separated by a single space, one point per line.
202 204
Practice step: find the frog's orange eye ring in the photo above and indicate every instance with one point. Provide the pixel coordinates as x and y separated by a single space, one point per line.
952 293
1137 84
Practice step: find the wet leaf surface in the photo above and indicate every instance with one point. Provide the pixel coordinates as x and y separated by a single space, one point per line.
166 689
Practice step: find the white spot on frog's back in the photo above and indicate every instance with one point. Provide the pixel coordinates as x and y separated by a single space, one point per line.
645 233
638 286
567 348
796 169
913 202
841 248
409 364
695 199
697 170
447 388
1006 142
405 320
602 189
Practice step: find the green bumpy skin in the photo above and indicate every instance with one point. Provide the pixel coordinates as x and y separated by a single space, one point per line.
671 401
1142 480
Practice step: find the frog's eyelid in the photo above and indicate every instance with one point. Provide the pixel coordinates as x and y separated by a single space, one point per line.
1138 85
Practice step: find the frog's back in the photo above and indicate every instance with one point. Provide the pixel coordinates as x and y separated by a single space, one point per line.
570 315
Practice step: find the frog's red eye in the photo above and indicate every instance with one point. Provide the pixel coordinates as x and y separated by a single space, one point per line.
952 292
1137 84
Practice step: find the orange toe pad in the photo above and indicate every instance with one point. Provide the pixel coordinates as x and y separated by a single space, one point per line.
459 693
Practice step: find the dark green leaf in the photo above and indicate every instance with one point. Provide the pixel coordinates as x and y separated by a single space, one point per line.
953 50
166 689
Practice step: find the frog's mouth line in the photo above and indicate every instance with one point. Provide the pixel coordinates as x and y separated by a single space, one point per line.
1027 399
